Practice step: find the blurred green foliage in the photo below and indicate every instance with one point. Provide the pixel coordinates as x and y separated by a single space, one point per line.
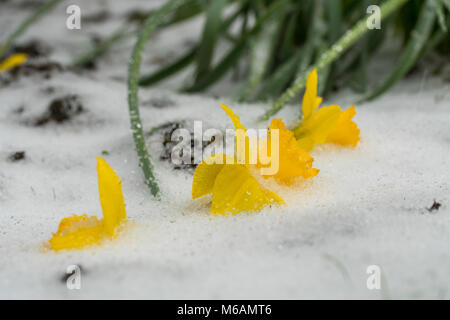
281 39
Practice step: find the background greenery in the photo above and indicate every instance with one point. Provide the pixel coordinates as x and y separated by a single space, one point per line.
281 41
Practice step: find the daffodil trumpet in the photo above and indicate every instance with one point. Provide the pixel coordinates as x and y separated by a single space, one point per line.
230 178
325 125
80 231
13 61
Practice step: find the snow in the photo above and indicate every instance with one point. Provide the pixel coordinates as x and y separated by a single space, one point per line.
366 207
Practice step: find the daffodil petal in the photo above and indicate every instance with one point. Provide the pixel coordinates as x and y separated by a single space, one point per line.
293 162
111 197
273 197
318 126
234 117
243 153
310 99
305 143
13 61
205 175
77 232
346 132
236 190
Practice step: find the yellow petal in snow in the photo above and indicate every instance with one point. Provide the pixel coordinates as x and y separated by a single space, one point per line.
310 100
77 232
111 197
13 61
236 190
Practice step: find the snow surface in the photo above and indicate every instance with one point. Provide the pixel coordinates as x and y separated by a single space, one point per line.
366 207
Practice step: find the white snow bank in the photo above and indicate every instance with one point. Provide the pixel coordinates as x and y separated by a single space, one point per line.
366 207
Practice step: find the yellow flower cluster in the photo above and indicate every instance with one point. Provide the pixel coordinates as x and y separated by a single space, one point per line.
234 187
232 180
325 125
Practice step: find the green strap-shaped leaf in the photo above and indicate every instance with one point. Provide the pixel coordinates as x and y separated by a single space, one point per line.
211 29
182 62
280 79
439 9
233 55
328 57
259 61
416 43
167 71
4 48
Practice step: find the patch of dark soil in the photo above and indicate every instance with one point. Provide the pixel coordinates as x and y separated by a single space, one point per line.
43 69
61 110
168 144
89 66
33 48
16 156
434 207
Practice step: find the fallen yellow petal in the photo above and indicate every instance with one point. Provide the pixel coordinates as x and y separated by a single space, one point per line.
77 232
236 190
111 197
13 61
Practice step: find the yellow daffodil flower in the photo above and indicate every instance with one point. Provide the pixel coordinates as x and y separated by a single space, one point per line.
233 188
77 232
326 125
294 162
13 61
231 182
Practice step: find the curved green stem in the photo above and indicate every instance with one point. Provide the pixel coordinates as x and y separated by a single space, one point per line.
331 55
133 86
4 48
